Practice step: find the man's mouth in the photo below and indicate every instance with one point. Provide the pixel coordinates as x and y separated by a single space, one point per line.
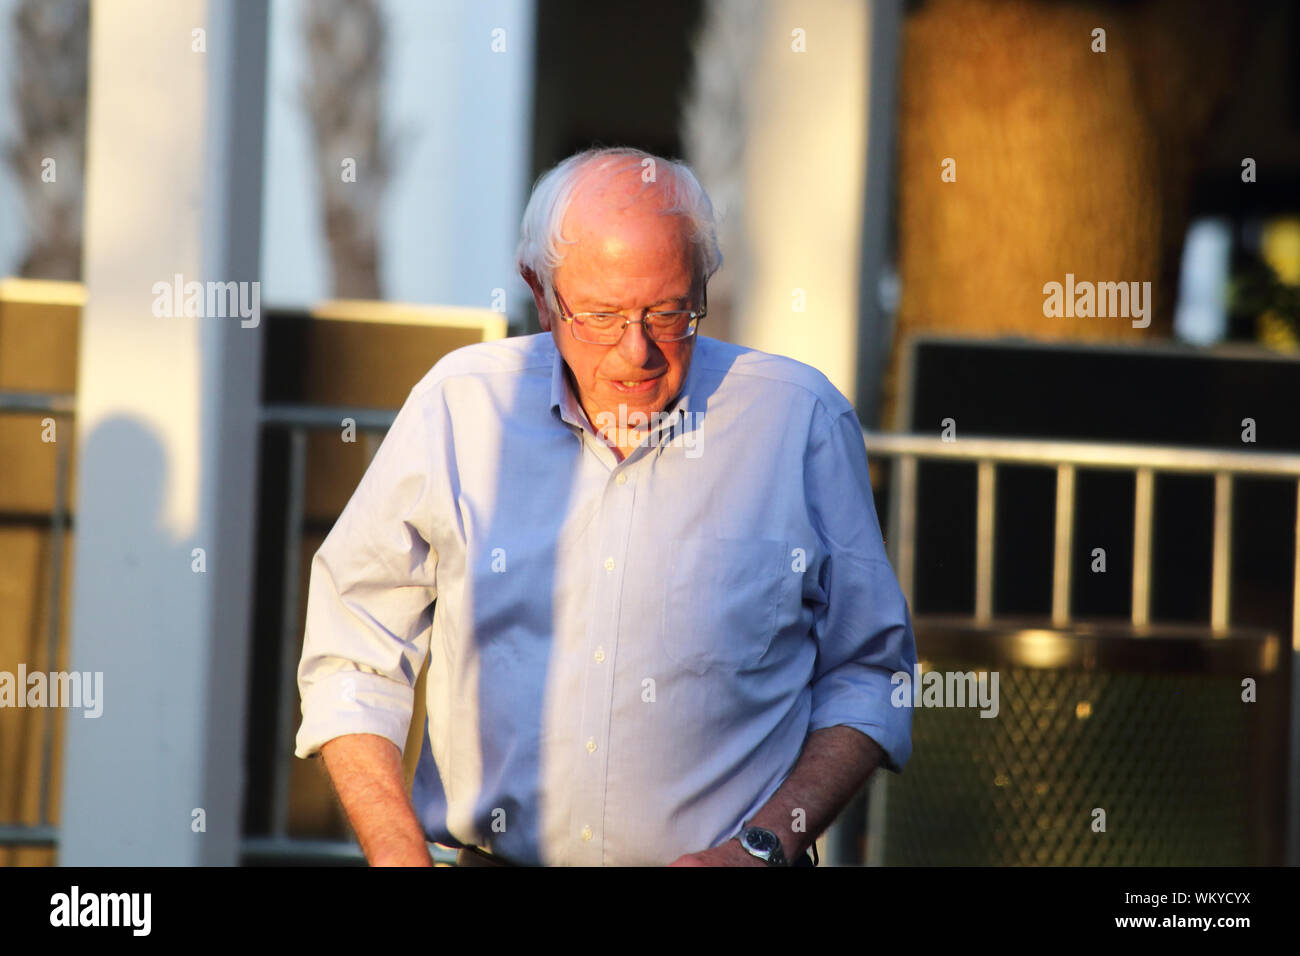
634 385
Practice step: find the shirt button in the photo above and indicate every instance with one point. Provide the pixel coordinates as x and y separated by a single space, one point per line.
599 655
609 564
591 745
586 833
622 478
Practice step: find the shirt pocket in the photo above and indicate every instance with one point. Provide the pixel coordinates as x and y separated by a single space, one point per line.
719 609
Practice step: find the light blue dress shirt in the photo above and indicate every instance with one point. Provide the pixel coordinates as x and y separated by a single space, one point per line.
625 658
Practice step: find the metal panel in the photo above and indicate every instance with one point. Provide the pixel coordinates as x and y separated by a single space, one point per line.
1148 729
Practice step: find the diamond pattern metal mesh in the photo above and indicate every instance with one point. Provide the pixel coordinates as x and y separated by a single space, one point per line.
1186 773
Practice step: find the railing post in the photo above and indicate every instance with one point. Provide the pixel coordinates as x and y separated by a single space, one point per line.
58 535
1062 563
289 647
904 534
1143 512
984 514
1221 577
1293 797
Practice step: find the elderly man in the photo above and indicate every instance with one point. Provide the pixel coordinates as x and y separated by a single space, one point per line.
665 625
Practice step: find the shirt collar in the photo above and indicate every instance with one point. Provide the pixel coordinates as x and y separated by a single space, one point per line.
565 405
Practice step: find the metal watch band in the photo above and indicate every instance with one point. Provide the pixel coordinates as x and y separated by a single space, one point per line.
777 855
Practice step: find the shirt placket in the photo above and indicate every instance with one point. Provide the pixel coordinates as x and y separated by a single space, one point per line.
614 521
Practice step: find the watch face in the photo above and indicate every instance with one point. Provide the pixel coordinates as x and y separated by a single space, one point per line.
761 840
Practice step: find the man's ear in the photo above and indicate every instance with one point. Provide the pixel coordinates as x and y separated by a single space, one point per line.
539 297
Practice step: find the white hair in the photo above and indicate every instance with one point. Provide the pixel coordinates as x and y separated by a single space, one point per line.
540 242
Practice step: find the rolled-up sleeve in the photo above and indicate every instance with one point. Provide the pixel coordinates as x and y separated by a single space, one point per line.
370 595
863 629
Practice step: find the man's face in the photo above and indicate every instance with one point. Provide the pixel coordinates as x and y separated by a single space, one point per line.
627 257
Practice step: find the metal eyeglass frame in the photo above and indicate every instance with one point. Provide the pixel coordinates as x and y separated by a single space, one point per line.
573 320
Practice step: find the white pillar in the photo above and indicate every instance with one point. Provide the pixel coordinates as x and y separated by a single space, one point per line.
804 183
457 104
166 434
461 94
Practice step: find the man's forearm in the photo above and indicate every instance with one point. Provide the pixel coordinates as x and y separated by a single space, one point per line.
366 771
834 764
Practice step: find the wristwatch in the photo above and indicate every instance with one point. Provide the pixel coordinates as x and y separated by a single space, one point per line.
762 844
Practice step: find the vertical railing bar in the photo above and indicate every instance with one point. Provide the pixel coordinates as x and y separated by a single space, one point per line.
293 518
1295 583
877 830
1293 798
985 509
58 529
1143 512
1221 576
905 535
889 531
1062 564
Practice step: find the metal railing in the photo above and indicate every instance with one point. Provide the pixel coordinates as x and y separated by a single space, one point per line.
62 409
371 424
1067 458
298 420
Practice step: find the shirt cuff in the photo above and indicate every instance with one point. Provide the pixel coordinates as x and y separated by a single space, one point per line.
354 702
862 701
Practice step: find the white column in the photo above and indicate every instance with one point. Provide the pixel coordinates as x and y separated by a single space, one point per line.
166 434
457 104
462 97
804 184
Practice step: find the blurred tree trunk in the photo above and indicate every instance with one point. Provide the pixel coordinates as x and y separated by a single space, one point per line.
50 39
343 92
1067 160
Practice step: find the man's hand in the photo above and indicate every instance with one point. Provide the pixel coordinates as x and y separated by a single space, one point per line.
730 853
834 764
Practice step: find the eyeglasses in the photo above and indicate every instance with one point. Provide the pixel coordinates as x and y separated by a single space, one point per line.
606 328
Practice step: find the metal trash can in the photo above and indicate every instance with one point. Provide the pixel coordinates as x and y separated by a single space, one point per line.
1148 726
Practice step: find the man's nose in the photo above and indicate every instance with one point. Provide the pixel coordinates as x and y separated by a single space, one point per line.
635 345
